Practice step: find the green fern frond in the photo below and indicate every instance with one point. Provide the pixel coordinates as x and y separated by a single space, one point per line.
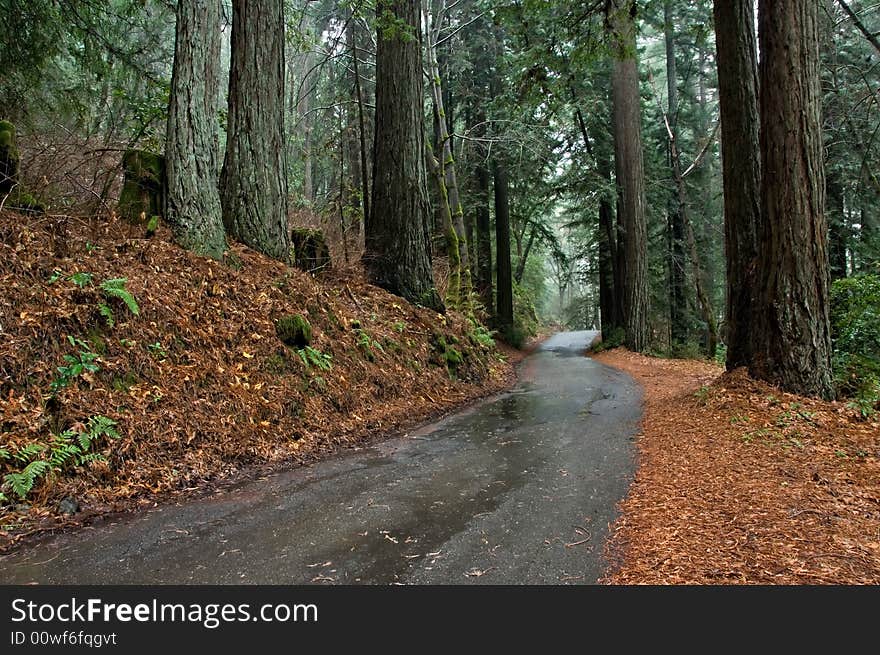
107 313
88 458
115 288
22 483
101 426
26 454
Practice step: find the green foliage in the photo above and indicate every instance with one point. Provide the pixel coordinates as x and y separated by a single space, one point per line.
368 345
702 395
68 450
152 225
312 357
112 288
157 350
81 279
483 336
115 288
855 331
22 482
687 350
76 365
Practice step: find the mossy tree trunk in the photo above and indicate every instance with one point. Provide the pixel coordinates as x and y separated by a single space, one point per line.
397 253
143 186
192 201
254 179
8 157
446 157
453 286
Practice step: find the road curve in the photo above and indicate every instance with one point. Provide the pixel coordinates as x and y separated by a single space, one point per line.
519 489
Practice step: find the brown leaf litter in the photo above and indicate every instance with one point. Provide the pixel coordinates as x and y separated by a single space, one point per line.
199 383
740 483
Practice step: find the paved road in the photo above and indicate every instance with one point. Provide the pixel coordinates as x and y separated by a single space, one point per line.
517 490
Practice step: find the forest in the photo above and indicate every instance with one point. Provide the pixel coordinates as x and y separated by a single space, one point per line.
695 180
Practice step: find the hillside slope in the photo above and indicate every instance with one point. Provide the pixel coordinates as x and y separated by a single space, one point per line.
199 383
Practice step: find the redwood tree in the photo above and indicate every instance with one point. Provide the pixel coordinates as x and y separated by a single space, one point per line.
737 55
630 173
254 179
192 200
792 343
397 252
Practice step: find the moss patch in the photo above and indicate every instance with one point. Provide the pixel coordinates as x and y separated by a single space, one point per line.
294 331
143 187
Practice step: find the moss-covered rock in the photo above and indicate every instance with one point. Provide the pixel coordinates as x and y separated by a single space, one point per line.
310 251
8 157
143 188
294 331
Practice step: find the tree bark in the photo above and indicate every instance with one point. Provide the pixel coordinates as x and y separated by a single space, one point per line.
254 180
484 239
629 167
192 200
524 257
792 345
447 161
397 255
609 307
362 133
504 294
678 326
737 55
837 241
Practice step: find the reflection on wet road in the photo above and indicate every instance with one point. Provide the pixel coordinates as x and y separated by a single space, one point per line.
517 490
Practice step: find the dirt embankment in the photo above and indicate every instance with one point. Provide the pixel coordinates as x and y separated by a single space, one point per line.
739 483
199 384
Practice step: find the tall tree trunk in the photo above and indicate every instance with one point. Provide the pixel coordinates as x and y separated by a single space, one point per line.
447 160
524 257
484 239
629 167
504 294
397 255
442 208
837 241
362 134
305 120
678 326
609 308
737 55
792 345
254 180
192 152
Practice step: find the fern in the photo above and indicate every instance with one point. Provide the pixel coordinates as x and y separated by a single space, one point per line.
115 288
63 453
103 426
81 279
4 454
22 483
312 357
88 458
107 313
28 453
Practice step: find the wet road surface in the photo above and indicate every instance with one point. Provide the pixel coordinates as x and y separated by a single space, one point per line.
519 489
